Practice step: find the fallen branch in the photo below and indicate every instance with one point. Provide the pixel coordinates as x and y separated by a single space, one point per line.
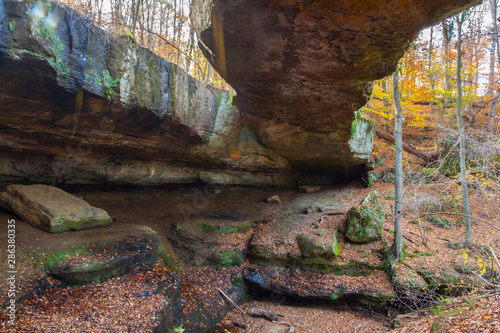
405 236
316 225
410 239
494 256
254 312
231 302
291 327
271 316
239 325
406 147
469 216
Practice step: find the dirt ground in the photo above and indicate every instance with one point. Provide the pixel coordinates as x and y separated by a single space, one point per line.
163 209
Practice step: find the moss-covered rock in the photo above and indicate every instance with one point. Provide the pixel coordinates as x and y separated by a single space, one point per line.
227 258
438 323
364 224
103 260
313 286
316 246
275 200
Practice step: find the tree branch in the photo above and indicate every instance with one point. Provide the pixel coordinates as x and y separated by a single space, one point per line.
470 216
406 147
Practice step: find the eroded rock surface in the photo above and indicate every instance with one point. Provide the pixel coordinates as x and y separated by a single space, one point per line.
78 105
302 68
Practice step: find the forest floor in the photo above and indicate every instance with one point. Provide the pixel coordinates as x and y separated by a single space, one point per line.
130 303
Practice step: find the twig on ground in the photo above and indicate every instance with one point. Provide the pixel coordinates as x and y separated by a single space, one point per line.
406 237
231 302
291 327
271 316
445 239
316 225
470 216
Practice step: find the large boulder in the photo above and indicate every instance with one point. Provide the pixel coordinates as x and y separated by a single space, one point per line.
51 209
78 105
303 68
319 244
364 224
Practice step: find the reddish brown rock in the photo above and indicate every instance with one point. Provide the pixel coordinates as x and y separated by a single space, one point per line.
301 68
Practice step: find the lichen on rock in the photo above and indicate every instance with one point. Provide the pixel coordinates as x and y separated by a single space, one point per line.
364 224
326 246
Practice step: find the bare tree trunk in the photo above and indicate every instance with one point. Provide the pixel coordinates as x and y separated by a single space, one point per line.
135 15
493 111
150 24
386 104
397 246
142 19
447 34
99 20
491 75
191 47
431 75
463 169
174 18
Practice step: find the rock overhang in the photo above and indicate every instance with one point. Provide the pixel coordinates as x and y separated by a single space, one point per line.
80 105
301 69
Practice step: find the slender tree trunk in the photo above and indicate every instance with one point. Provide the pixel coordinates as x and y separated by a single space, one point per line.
463 169
181 26
386 105
150 24
174 18
142 20
398 133
431 76
447 33
99 17
493 111
135 11
491 75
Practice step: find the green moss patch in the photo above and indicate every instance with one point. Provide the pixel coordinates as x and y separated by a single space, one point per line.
241 228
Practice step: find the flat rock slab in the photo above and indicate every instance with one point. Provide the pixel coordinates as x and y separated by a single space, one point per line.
101 261
51 209
312 286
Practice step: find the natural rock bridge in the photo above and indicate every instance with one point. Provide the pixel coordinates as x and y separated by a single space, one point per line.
80 106
302 68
